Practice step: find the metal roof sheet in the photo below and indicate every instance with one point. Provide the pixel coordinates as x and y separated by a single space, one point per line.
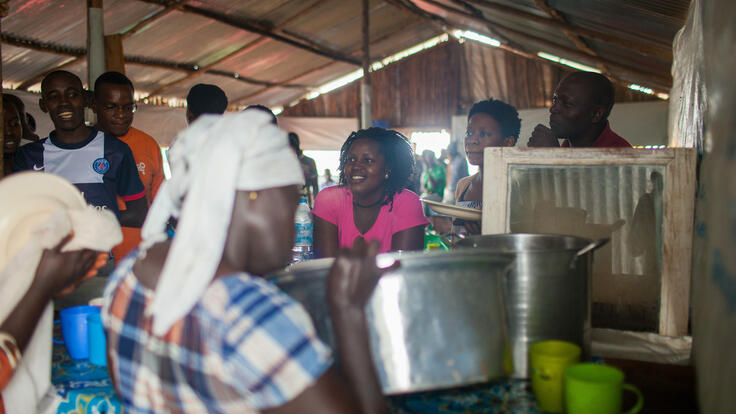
212 32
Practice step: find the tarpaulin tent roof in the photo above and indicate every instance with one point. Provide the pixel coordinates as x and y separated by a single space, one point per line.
274 52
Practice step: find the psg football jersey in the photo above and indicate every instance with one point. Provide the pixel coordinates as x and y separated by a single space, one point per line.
101 167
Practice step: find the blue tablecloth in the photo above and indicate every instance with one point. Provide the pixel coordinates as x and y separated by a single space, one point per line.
84 388
505 396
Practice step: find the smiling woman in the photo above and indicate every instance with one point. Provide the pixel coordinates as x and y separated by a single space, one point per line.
371 201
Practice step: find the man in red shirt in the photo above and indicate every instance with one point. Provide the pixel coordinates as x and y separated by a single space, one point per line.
114 105
579 114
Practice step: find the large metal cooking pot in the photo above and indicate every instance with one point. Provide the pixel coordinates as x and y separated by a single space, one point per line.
437 321
547 292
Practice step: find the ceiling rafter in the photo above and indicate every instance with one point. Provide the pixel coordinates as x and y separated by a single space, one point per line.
573 36
447 26
288 82
125 33
61 50
655 50
239 51
264 29
656 79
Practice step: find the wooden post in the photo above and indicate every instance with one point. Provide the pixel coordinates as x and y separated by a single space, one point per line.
365 84
3 12
114 58
95 42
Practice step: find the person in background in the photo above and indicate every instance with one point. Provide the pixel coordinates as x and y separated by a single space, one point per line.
29 132
13 132
491 123
115 107
415 181
205 99
265 109
99 165
372 201
225 339
579 113
434 177
457 169
328 181
311 188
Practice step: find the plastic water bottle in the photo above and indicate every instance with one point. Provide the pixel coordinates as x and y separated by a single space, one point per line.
303 230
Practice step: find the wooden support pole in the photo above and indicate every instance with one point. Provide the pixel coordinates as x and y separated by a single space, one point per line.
365 84
95 42
3 12
114 58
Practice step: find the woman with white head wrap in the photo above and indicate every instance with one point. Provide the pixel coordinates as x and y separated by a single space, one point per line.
191 328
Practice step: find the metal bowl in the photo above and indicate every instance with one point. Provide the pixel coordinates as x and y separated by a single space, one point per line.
438 321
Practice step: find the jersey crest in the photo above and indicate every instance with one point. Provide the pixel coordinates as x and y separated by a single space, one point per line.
101 165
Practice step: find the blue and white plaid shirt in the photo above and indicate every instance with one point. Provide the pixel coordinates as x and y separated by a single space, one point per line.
246 346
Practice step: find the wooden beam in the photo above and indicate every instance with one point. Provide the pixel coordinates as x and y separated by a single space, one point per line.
574 37
264 29
39 77
61 50
150 19
447 26
288 82
125 33
243 49
657 79
659 51
114 58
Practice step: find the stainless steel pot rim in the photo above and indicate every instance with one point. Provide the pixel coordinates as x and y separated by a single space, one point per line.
575 243
407 258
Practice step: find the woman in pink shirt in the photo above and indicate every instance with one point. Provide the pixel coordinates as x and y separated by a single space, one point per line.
371 200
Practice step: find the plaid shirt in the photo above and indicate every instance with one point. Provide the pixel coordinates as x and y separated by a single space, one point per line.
246 346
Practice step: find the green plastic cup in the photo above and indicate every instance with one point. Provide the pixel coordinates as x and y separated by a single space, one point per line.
597 389
547 363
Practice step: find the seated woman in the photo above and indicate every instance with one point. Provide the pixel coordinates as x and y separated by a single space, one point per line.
192 327
371 201
491 123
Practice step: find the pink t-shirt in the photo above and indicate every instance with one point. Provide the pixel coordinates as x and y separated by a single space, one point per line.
335 205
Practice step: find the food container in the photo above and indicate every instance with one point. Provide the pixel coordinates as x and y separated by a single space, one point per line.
547 293
437 321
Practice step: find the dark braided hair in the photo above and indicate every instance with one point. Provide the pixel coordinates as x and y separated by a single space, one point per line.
396 151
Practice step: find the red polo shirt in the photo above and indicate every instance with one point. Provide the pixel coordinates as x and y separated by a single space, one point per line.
607 139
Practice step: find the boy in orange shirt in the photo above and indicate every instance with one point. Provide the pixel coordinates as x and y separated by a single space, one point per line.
115 106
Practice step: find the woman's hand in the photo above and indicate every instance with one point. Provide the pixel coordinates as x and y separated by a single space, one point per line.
58 272
354 275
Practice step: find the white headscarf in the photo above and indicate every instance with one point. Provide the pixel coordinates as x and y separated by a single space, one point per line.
210 161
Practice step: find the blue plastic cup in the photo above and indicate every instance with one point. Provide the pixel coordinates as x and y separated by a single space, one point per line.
74 329
97 340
